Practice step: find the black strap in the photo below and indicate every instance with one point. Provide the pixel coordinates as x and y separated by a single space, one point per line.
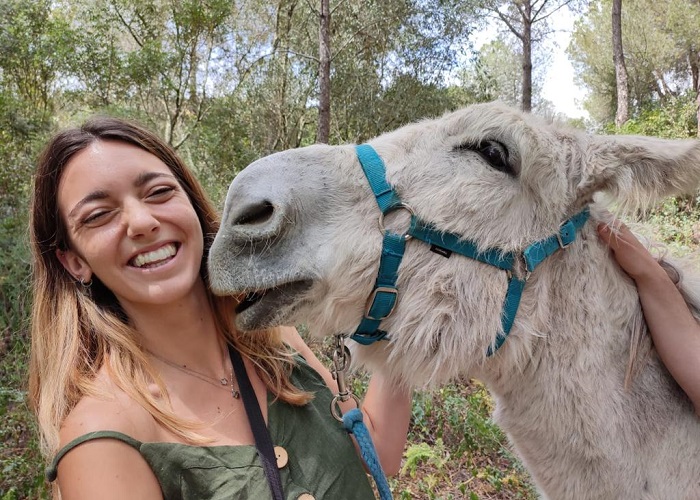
263 441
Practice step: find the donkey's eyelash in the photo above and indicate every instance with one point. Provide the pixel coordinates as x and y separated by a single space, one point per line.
495 153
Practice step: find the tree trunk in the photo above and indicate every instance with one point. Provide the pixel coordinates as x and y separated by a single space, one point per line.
527 57
324 74
622 114
697 107
694 58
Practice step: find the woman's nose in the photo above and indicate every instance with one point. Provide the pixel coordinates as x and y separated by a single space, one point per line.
139 219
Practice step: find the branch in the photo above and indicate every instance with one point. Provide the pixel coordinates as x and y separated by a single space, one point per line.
351 38
511 27
313 9
127 25
246 71
303 56
556 9
338 5
541 8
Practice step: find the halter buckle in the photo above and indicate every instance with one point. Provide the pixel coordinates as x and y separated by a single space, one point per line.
561 243
569 230
373 297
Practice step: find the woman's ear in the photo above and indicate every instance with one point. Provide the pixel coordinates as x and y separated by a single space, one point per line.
75 265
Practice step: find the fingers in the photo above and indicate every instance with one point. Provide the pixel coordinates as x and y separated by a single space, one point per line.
617 234
608 236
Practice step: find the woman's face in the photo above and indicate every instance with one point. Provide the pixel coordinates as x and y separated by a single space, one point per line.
129 223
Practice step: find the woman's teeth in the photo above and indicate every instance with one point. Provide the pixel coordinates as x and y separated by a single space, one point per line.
156 256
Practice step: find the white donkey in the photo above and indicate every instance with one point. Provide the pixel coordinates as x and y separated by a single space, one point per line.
585 400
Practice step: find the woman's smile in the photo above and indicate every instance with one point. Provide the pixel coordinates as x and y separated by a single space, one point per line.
151 259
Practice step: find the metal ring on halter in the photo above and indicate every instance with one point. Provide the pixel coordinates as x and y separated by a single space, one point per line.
335 410
400 206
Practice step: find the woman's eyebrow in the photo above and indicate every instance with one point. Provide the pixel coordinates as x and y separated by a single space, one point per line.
140 181
95 195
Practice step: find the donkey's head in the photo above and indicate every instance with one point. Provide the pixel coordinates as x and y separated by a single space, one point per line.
301 237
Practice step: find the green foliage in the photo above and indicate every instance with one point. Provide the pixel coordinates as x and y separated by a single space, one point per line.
675 222
421 453
21 467
34 47
20 463
660 46
394 110
26 73
496 73
675 119
451 435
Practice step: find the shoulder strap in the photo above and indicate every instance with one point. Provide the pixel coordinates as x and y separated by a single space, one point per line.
263 441
52 470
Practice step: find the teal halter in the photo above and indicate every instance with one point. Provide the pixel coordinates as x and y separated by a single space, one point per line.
383 299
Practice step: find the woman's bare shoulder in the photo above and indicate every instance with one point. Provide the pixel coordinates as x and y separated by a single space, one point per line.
98 468
110 408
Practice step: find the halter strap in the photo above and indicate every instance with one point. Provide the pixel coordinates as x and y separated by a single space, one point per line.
384 296
449 241
374 170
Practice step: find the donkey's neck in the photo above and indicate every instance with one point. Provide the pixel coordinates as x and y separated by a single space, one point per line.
567 409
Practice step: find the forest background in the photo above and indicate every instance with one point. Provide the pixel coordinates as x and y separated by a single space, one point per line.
227 81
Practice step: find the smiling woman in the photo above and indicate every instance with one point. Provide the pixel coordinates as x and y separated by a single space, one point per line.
131 224
132 364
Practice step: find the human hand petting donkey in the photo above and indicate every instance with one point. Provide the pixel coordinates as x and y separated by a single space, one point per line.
675 331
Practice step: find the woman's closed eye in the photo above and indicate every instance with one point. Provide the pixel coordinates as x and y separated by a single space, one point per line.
95 218
161 192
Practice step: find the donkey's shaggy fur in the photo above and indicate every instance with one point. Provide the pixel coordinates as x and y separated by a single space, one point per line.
302 225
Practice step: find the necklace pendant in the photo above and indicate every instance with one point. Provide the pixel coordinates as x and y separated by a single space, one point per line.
223 381
235 393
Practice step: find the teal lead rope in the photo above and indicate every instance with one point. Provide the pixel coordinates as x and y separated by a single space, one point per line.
354 424
353 421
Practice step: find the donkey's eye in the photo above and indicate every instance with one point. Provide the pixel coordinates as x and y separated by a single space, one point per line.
493 152
496 155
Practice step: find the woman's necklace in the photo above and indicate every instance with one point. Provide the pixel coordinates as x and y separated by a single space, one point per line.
221 383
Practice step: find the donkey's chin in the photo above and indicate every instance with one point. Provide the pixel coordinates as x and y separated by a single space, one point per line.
271 307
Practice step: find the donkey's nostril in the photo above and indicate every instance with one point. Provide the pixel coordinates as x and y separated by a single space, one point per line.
256 213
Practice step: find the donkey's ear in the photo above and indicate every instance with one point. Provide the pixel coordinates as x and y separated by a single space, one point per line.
639 171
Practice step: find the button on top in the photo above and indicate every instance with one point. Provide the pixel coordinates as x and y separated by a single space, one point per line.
306 496
282 457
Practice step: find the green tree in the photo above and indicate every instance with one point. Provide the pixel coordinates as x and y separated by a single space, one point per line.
659 47
528 21
34 46
159 61
495 73
622 112
683 20
386 45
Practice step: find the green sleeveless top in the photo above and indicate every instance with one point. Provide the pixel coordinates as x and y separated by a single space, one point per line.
321 459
